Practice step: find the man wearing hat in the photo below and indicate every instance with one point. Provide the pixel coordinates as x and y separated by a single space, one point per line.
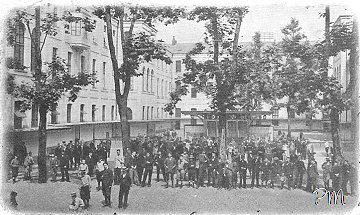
170 165
312 175
28 163
54 164
180 170
299 171
242 170
326 167
148 169
77 203
191 170
107 181
125 184
203 160
64 166
212 169
256 167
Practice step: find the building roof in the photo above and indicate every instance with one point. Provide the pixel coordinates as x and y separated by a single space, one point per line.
184 48
181 48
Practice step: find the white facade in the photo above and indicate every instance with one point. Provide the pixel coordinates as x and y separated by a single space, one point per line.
340 70
94 115
200 102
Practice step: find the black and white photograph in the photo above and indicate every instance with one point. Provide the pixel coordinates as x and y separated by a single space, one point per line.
159 107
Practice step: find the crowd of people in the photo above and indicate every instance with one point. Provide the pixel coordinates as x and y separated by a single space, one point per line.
265 163
248 162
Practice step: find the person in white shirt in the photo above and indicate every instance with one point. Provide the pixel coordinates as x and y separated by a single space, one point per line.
119 163
327 147
83 167
99 171
77 204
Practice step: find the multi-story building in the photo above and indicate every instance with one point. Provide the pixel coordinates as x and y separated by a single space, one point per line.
94 115
195 101
341 71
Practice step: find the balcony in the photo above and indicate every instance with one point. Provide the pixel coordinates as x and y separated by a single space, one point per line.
78 37
79 42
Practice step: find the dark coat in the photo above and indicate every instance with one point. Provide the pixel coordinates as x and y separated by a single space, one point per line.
64 160
125 182
107 177
148 162
242 166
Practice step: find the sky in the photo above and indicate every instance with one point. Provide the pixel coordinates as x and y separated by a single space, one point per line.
263 18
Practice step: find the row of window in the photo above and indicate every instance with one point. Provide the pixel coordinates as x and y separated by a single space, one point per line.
148 113
162 87
19 115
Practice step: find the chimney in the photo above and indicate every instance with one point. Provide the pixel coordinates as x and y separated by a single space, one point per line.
173 41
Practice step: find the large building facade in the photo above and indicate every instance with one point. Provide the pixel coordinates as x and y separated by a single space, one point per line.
341 71
94 115
274 116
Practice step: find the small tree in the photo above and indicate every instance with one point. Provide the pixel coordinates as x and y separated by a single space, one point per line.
295 72
46 87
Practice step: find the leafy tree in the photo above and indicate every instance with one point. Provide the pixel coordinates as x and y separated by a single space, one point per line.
47 86
257 84
137 47
341 37
295 72
225 67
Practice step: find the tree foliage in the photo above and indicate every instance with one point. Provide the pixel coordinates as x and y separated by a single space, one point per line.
137 47
296 73
47 86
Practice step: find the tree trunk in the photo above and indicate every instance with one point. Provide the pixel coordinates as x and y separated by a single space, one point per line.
121 99
222 134
42 109
335 129
236 36
125 125
327 38
288 109
42 145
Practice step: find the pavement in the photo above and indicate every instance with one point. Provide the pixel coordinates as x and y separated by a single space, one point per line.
54 198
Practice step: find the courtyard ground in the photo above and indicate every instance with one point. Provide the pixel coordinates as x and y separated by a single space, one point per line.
54 198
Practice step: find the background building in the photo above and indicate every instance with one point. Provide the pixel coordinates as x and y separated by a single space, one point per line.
94 115
189 126
341 71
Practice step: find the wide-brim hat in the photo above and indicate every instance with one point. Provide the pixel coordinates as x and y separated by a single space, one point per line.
73 194
327 158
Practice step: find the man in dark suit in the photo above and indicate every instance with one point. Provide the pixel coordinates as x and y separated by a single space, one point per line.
256 166
107 181
242 170
64 166
90 160
148 169
125 183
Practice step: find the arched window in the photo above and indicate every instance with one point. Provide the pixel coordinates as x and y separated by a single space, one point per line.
152 81
147 80
162 88
157 87
19 45
166 90
143 79
129 114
